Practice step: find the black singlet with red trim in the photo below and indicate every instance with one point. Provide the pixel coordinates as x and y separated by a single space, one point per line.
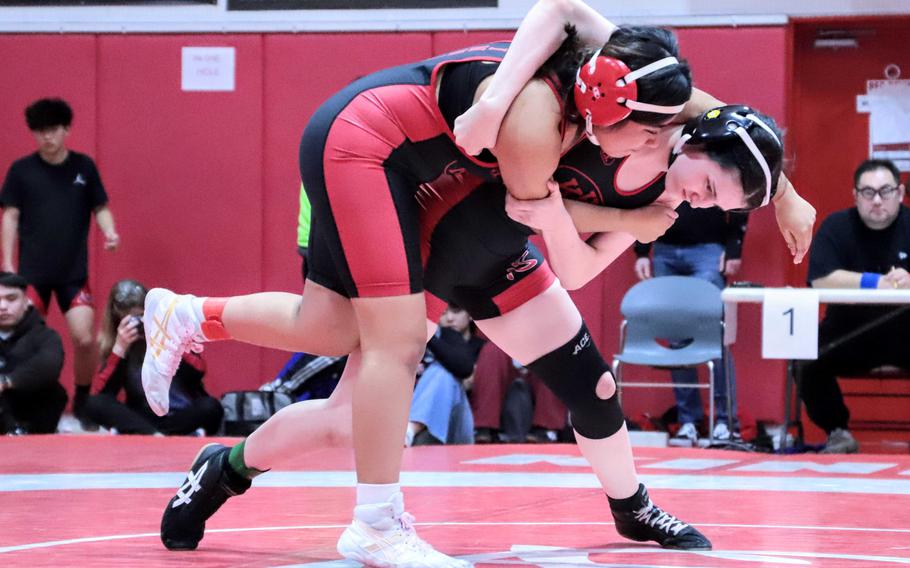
586 174
478 257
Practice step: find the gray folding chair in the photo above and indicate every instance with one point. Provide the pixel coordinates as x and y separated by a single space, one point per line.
672 321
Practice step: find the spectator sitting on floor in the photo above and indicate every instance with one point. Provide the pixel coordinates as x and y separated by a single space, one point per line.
31 358
191 407
865 246
440 412
308 377
497 416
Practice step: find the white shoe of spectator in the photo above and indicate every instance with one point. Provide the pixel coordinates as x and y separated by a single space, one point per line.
383 536
686 437
171 329
841 441
722 432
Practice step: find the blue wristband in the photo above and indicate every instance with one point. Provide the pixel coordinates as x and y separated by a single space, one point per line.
869 280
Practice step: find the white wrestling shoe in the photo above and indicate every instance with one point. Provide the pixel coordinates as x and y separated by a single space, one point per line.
171 329
383 536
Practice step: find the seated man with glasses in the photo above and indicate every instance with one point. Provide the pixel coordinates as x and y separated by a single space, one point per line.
865 246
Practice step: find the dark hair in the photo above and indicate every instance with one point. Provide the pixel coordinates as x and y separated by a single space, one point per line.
13 280
455 307
125 295
48 113
636 46
872 165
732 154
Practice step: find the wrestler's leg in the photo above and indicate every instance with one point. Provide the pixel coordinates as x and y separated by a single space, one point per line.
319 321
540 326
305 426
308 425
547 334
296 429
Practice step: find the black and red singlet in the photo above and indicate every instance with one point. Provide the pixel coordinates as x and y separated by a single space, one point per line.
364 155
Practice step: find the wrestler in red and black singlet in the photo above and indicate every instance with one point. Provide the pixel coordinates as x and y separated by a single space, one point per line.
364 155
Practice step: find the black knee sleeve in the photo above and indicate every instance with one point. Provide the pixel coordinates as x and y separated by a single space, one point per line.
572 372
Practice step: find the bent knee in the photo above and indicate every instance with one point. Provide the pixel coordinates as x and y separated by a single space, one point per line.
83 343
606 386
339 347
340 432
396 349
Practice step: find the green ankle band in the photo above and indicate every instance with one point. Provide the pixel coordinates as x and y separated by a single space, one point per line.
235 460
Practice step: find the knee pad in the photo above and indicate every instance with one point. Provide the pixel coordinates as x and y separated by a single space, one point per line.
572 372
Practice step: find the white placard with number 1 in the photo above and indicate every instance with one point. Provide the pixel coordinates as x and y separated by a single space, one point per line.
790 324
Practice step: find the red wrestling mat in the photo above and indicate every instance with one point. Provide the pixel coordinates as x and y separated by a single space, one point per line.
97 501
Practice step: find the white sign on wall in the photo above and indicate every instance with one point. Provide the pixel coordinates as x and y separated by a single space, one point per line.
889 121
208 69
790 324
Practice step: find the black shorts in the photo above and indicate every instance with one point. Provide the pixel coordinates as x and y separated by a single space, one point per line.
481 259
69 295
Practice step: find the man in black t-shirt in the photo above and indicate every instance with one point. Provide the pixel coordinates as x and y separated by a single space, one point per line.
866 246
48 198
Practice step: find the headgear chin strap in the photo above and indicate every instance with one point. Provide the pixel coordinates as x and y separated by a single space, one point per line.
724 123
606 91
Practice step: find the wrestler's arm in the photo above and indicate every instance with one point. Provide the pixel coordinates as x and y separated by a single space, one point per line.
583 263
528 153
699 103
574 260
646 223
795 218
530 142
539 36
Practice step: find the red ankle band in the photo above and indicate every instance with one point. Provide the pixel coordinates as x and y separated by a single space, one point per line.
212 327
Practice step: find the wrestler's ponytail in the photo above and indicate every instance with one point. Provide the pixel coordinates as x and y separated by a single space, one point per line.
638 46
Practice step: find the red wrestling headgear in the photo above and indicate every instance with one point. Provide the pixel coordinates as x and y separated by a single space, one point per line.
605 91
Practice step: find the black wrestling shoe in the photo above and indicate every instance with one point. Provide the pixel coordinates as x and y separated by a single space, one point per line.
642 520
207 486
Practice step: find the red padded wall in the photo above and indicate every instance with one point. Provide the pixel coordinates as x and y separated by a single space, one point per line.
831 138
185 175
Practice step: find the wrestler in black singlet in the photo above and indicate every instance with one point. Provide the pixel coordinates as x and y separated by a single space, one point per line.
475 255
